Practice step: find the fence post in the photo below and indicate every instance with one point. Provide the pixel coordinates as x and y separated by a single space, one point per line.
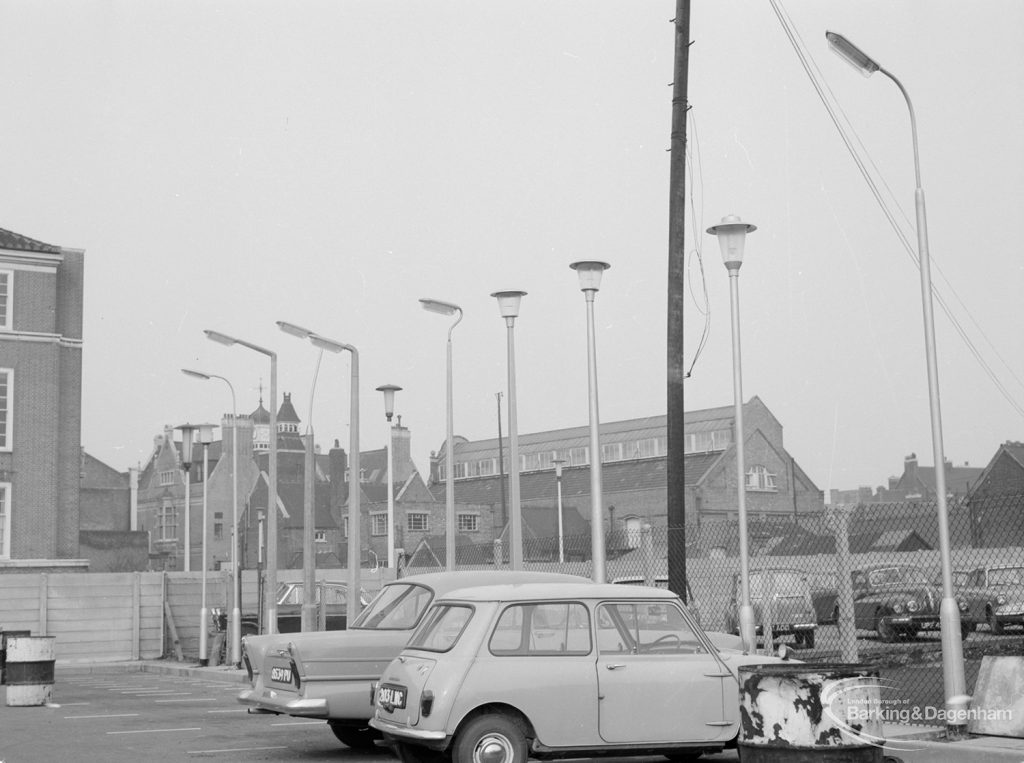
838 518
44 595
499 560
647 553
136 614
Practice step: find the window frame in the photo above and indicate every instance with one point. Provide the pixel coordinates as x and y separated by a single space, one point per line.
7 311
5 520
7 411
378 524
424 515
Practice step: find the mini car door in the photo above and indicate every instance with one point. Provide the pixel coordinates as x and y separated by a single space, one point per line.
656 680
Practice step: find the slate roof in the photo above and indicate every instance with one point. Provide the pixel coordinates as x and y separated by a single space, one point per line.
19 243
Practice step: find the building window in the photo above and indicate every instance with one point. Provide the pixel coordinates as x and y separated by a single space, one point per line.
5 520
379 524
6 282
579 456
529 462
705 442
320 536
759 478
461 470
611 452
167 477
167 522
646 448
486 467
468 523
417 521
6 382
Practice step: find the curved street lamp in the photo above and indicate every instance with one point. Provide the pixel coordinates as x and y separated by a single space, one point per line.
949 610
448 308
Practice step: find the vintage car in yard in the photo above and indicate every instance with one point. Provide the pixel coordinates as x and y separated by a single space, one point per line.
329 674
994 595
895 601
331 599
781 596
498 674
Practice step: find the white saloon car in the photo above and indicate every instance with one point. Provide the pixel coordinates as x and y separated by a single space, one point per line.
498 674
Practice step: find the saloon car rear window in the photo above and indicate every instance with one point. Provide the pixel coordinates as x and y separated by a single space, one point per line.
442 627
550 628
397 607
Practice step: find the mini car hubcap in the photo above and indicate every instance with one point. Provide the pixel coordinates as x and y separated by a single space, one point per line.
493 748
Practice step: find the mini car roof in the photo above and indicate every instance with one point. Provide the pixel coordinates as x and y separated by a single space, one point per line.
532 591
452 579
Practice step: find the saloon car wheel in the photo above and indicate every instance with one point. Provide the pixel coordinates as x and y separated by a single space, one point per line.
356 737
886 630
994 625
491 738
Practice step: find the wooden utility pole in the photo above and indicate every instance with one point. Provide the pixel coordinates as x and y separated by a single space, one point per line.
676 293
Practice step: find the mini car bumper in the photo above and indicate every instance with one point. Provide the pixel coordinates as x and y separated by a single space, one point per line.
1010 612
399 731
266 702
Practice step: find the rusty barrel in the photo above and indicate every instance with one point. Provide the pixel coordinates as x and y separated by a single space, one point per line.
29 675
791 713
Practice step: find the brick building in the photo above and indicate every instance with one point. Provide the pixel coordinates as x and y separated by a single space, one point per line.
41 291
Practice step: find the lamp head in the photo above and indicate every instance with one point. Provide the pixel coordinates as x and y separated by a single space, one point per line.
559 463
206 433
853 55
508 302
188 433
220 338
732 232
439 306
327 344
590 272
291 328
389 391
196 374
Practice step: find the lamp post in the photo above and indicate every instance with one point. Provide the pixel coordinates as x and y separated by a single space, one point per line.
508 305
271 579
559 463
949 610
205 437
309 606
235 626
448 308
389 391
590 272
354 551
188 432
732 233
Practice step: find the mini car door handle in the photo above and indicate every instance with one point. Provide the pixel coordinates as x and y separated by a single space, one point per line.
615 666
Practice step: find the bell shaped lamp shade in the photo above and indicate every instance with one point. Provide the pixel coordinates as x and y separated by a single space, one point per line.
508 302
389 391
590 272
732 233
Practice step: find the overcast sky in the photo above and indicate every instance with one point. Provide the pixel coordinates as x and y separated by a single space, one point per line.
229 164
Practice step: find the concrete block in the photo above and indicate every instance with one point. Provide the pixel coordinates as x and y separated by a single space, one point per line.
998 705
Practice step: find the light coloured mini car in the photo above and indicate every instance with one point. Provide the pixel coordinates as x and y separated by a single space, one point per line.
994 595
498 674
329 674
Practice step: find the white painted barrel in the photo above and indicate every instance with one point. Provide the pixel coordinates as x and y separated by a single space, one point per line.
29 670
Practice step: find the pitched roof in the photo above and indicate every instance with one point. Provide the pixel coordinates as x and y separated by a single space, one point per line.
286 412
19 243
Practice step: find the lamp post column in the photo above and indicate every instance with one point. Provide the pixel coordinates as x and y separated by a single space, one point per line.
389 391
561 534
205 436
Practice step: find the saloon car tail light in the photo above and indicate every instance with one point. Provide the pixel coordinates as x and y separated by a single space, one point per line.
295 674
426 702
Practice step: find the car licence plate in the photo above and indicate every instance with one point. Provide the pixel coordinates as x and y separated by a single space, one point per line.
391 697
281 675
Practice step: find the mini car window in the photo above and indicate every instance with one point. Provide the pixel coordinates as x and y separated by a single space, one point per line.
442 627
645 628
552 628
397 607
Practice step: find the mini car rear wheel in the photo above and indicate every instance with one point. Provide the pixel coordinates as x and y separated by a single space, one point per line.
491 738
993 623
356 737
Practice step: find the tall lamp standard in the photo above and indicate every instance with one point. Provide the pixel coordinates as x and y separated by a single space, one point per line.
354 551
448 308
949 611
559 463
508 305
235 626
188 434
205 437
389 391
732 233
590 272
270 626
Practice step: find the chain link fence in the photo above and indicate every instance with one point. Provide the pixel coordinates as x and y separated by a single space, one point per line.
854 583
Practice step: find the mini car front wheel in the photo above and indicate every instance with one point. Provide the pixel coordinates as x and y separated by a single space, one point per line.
491 738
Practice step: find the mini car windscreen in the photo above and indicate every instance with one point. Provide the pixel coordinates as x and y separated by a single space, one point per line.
442 627
550 628
397 607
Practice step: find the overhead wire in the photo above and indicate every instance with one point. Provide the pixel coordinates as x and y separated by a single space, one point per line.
816 78
703 306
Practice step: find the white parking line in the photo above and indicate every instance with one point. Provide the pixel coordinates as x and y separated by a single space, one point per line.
163 694
81 717
298 723
233 749
154 731
198 699
232 710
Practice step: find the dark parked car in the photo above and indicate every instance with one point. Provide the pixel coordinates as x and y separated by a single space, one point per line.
994 595
781 596
894 600
331 599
